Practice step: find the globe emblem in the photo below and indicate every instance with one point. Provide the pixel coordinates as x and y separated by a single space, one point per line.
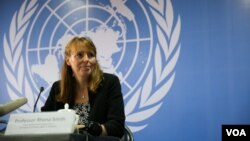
122 32
122 49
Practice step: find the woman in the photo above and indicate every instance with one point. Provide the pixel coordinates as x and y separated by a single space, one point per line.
95 96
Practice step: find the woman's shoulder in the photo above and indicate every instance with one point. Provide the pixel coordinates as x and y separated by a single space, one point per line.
109 76
110 79
56 83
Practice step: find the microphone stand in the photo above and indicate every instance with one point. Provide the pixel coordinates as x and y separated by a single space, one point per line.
41 90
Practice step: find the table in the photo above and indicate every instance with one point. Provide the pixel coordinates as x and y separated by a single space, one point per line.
58 137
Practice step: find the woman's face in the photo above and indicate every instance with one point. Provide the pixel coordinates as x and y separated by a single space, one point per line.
82 60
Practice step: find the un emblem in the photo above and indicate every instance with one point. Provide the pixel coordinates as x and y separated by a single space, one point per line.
138 41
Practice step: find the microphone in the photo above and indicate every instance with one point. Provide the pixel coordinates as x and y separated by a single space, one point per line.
41 90
12 105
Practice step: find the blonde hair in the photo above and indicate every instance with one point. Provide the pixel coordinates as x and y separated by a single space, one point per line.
67 83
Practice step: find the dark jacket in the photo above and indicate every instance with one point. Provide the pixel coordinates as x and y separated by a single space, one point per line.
107 106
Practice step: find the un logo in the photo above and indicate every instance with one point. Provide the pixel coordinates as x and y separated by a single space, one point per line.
138 41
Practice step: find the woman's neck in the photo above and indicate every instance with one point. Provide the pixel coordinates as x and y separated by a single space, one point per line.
82 92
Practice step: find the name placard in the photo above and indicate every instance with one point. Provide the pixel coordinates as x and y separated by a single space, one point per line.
41 123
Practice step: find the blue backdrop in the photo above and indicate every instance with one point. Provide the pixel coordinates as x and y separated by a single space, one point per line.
183 65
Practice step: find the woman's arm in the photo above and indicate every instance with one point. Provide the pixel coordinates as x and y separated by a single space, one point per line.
51 104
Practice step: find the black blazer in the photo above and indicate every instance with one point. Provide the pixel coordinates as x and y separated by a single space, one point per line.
107 105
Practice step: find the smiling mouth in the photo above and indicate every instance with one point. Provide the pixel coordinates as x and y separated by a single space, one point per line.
85 67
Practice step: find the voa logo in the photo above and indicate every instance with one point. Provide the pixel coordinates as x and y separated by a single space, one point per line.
136 40
236 132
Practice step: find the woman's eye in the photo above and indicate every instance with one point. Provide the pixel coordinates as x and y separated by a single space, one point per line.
79 55
91 55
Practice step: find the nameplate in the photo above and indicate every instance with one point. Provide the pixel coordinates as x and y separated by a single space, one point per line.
41 123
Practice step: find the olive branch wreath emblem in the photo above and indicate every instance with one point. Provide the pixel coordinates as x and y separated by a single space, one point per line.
167 50
166 54
13 63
